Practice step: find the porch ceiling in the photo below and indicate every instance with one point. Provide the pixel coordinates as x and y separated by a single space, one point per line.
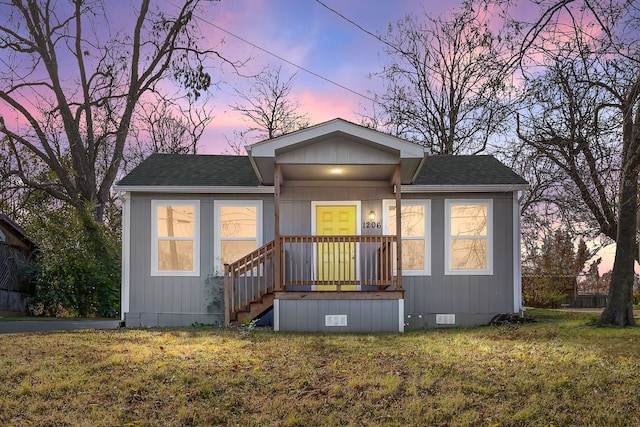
337 172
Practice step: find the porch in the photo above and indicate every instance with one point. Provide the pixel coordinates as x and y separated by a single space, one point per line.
314 268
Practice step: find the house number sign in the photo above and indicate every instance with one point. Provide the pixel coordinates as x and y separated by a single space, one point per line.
372 224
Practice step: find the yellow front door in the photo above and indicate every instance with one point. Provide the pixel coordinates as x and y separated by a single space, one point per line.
336 260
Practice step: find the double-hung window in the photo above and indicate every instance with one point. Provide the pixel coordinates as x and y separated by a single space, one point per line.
238 229
175 230
416 234
469 237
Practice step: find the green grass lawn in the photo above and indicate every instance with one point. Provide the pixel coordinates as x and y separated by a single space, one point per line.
558 371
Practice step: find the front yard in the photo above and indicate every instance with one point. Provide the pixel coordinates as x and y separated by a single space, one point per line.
558 371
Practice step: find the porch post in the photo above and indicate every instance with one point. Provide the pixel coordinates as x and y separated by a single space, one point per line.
398 185
276 229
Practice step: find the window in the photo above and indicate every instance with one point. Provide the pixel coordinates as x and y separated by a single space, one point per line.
3 238
238 230
175 249
416 234
468 225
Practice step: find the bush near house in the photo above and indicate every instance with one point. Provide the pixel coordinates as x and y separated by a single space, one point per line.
547 291
77 271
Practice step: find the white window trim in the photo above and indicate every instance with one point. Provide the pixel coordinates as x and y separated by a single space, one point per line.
154 238
448 271
217 242
386 204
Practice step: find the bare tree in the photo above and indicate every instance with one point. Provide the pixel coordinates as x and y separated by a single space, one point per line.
172 128
74 90
585 118
268 107
561 141
444 88
166 126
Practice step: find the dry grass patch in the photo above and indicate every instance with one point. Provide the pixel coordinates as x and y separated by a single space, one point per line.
558 371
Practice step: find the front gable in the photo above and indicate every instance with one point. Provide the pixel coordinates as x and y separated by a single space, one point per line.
320 151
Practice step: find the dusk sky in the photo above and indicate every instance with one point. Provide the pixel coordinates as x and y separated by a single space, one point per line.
305 33
332 57
308 34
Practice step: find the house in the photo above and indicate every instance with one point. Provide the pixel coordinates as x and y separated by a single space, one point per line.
306 227
15 248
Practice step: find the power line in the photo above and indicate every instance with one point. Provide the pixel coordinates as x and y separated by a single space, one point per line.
375 36
313 73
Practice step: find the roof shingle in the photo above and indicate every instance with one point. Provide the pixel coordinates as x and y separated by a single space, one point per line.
190 170
466 170
187 170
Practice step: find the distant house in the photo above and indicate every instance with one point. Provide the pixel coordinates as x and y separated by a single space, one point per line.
335 227
15 248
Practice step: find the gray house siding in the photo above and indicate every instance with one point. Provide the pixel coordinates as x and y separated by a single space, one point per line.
295 202
358 315
179 300
473 299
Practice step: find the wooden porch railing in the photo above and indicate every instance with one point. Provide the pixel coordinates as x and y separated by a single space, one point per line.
339 262
329 263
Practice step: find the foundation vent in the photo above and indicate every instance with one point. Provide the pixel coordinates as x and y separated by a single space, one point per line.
335 320
445 319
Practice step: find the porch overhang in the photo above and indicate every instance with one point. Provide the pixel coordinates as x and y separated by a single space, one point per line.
339 151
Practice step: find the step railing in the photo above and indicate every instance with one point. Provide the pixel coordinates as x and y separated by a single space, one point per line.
248 279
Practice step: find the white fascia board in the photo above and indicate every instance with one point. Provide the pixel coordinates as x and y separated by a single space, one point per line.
493 188
268 148
194 189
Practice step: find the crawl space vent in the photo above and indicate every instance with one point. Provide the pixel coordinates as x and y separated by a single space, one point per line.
445 319
335 320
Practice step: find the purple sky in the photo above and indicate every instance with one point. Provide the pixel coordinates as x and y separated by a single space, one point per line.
309 35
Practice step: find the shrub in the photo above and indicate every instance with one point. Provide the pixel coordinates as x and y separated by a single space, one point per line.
76 271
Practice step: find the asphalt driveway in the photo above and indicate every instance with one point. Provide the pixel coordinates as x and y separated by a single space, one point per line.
25 326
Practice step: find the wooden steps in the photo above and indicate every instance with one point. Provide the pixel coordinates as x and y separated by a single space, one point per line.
255 309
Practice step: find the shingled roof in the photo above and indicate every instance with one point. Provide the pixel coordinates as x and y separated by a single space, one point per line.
188 170
466 170
185 170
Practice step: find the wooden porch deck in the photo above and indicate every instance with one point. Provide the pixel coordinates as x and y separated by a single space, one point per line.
298 267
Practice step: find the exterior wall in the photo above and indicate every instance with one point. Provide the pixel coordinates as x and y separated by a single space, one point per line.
12 296
309 315
179 300
296 198
473 299
13 239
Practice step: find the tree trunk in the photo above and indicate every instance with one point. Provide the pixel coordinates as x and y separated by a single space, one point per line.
619 308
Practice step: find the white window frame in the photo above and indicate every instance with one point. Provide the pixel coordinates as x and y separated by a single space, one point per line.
448 203
217 245
155 204
426 203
